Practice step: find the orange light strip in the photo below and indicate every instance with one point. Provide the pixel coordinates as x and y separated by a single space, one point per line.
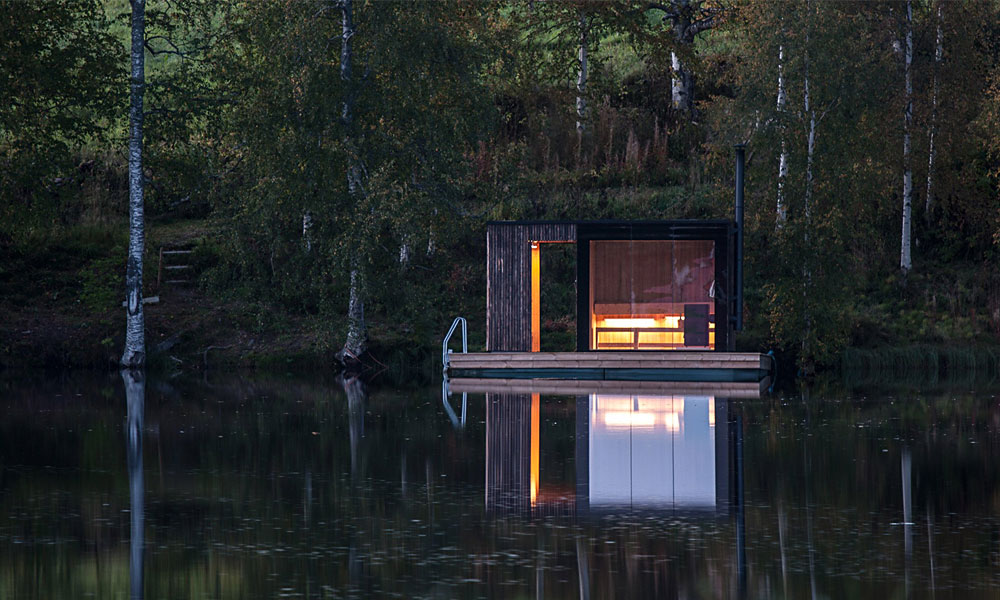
535 425
536 298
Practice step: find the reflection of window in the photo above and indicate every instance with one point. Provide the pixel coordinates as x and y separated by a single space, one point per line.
652 294
651 451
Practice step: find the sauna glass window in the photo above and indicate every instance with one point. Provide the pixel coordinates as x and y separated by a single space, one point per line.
652 294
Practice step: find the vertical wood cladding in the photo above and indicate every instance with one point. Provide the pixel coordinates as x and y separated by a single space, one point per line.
508 453
508 279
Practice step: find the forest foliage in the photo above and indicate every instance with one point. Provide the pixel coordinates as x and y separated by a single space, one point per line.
469 111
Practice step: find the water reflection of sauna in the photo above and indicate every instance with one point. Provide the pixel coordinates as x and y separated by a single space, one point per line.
632 452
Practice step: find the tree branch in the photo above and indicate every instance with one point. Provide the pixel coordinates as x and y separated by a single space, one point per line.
175 51
702 25
669 11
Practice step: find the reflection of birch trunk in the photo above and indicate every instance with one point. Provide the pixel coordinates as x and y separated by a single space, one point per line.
782 532
930 547
354 389
905 260
783 158
932 150
812 554
307 497
741 528
402 474
807 470
135 397
583 569
134 355
906 469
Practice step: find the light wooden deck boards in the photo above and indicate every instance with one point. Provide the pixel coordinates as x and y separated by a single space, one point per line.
608 360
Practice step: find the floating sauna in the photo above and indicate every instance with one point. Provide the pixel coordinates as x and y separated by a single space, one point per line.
655 300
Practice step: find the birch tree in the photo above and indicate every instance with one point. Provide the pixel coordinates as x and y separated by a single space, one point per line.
364 115
555 31
810 112
782 210
581 79
905 260
687 18
357 332
134 355
932 150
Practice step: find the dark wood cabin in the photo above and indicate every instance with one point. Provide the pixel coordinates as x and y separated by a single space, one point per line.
641 285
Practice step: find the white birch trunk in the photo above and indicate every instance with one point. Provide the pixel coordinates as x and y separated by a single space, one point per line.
905 260
810 141
357 335
932 150
134 355
135 398
307 223
783 158
810 111
581 80
688 18
680 84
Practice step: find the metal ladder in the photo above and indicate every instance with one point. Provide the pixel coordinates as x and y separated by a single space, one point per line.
458 422
444 345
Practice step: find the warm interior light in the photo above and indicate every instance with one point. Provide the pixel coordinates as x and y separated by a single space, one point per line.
659 403
535 449
629 419
672 420
711 412
629 322
641 338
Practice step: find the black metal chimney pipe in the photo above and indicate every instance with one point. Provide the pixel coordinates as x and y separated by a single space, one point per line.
740 160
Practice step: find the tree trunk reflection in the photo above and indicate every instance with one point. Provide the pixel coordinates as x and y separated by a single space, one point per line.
135 397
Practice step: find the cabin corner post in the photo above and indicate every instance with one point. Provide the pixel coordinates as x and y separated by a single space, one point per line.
490 342
582 290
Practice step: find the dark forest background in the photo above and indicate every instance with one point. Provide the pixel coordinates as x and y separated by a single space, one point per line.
466 112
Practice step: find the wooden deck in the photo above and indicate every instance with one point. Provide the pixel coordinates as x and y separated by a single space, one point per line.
617 366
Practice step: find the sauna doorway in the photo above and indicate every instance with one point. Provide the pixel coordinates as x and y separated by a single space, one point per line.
553 297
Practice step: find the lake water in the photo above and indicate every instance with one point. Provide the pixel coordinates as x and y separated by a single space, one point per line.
225 487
